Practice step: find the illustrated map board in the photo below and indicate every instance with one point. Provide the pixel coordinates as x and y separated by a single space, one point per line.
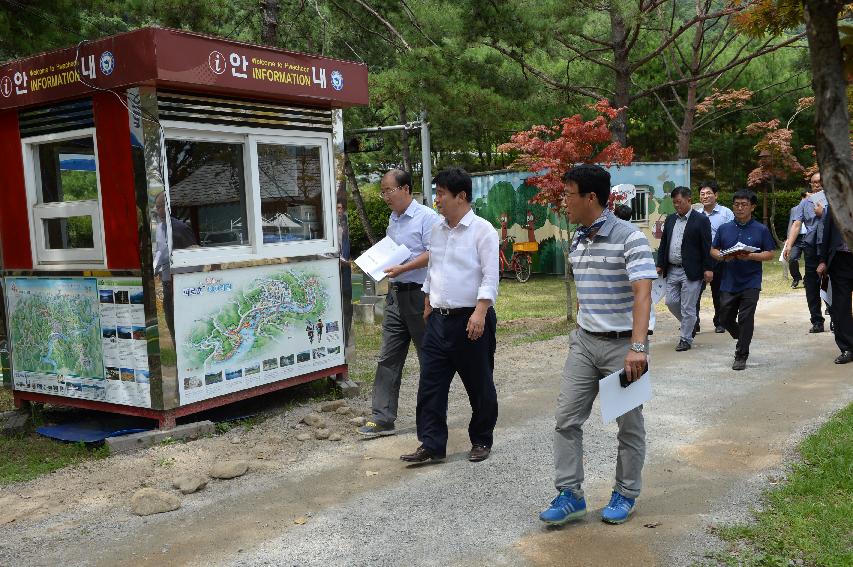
247 327
79 338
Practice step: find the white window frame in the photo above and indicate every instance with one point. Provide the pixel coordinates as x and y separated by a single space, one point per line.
256 248
44 257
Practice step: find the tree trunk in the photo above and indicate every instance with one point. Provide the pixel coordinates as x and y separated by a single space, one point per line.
404 142
269 22
685 133
831 117
569 276
359 202
622 77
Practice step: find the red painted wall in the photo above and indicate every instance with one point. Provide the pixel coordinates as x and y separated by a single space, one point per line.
14 216
115 169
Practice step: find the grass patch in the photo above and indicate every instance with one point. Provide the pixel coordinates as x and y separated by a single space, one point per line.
28 455
6 401
810 517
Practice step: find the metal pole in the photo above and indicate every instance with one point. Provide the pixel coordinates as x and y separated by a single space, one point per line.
426 160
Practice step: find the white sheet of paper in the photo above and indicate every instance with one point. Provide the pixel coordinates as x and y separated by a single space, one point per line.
826 294
658 289
382 255
740 246
616 400
782 256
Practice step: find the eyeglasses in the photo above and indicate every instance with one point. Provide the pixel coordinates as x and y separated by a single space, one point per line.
386 192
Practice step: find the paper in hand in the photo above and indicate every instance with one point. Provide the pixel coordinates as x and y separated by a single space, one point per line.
658 289
739 247
382 255
616 400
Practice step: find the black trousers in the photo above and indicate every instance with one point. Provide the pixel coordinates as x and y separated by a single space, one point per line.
737 314
715 294
445 351
812 284
841 276
794 259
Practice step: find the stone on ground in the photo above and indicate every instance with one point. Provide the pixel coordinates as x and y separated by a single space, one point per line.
314 420
189 484
332 406
229 469
322 434
147 501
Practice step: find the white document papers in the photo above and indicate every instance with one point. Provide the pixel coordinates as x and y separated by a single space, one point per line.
616 400
739 247
826 291
382 255
658 289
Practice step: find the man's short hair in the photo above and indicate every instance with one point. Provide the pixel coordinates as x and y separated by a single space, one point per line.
623 212
401 178
745 194
681 191
804 194
455 180
710 184
590 178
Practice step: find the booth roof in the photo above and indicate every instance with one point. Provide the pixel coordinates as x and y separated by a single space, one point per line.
179 60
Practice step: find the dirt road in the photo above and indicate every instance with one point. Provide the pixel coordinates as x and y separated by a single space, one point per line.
716 438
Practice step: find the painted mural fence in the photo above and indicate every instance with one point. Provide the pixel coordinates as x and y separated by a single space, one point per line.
503 198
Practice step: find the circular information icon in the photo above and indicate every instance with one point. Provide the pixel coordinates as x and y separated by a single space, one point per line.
217 62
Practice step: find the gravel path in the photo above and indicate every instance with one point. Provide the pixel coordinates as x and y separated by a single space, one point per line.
716 439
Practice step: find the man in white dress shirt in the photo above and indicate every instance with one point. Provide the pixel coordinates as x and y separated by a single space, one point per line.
460 291
411 226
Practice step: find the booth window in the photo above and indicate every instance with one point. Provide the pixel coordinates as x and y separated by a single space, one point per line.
250 193
640 205
65 202
291 186
207 188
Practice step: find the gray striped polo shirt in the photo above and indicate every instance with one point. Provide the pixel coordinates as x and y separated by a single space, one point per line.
604 268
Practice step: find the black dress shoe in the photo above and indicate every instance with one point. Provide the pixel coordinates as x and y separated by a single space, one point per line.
719 329
816 329
479 453
794 284
844 357
682 346
421 455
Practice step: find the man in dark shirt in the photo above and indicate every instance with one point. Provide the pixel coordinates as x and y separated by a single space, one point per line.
741 283
836 261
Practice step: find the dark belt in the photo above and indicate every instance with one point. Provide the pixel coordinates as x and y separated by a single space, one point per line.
453 312
612 334
677 265
405 286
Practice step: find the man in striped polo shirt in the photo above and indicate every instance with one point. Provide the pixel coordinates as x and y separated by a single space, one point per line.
614 270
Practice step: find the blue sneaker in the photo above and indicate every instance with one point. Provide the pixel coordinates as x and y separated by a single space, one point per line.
618 510
565 507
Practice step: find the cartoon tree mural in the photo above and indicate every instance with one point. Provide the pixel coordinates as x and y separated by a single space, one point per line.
554 149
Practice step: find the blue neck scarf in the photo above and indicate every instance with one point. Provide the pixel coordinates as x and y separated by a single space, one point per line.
587 232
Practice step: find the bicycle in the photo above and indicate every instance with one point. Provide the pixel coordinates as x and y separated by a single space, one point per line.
521 260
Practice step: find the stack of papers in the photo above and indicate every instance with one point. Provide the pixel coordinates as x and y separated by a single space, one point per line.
616 400
380 256
739 247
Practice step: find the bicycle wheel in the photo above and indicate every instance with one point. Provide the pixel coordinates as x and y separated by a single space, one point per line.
521 263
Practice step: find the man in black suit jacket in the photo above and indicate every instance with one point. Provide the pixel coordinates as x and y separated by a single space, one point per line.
684 259
836 260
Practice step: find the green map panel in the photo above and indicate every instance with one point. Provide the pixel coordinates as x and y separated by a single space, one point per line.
54 326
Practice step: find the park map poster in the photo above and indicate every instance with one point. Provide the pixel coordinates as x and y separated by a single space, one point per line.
242 328
66 333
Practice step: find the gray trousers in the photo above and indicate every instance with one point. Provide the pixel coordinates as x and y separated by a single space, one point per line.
403 323
590 359
681 297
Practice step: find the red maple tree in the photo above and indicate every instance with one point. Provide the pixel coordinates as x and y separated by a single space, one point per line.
553 150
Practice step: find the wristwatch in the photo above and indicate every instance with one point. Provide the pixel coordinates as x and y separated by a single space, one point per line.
638 347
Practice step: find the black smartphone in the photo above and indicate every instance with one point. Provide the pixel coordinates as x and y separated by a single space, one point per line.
623 376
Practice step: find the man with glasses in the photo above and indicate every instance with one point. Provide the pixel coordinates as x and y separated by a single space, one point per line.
810 216
741 283
718 215
410 225
614 270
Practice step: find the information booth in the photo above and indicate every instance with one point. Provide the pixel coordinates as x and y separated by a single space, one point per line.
167 220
